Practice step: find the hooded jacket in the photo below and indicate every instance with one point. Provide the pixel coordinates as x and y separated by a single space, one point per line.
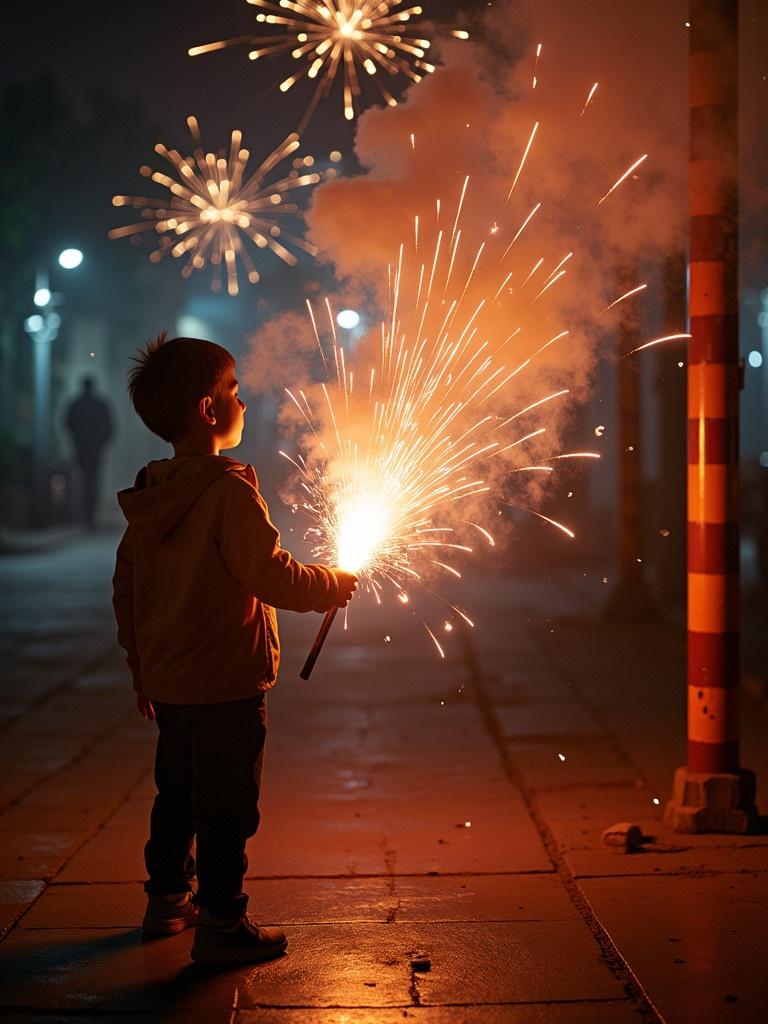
198 576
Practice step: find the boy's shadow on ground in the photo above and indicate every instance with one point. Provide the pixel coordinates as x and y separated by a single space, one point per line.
114 972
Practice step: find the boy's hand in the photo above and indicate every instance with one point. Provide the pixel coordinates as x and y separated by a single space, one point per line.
347 584
144 707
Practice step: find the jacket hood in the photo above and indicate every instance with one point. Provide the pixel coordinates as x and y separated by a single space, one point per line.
165 491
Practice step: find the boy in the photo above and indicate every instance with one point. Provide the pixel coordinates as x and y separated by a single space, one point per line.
198 575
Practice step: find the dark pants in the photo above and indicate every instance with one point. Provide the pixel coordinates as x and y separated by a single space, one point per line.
208 774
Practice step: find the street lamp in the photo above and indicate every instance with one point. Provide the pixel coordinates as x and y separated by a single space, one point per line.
70 259
43 328
348 319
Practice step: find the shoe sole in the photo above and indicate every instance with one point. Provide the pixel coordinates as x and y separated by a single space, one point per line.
159 928
237 956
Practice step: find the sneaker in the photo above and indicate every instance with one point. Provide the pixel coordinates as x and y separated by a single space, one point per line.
167 915
242 941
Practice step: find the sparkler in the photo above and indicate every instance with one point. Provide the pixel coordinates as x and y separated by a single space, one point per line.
397 442
214 206
345 38
400 442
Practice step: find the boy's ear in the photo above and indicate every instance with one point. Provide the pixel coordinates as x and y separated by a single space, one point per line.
207 413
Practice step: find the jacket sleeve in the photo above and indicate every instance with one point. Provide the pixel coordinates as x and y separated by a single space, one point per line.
122 602
250 546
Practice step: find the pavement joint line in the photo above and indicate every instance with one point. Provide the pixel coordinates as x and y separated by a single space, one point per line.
85 839
407 874
607 1001
568 787
61 687
614 960
347 878
90 745
590 708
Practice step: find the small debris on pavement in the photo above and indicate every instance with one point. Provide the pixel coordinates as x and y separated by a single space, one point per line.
421 963
623 836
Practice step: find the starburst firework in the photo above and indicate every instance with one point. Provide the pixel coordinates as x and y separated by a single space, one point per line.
215 207
346 38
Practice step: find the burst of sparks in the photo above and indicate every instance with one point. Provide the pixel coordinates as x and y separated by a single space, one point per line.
214 206
386 463
624 177
348 39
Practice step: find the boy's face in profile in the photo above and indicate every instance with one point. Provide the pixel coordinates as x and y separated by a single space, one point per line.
229 410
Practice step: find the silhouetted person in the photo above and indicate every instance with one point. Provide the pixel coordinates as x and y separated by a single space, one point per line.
89 422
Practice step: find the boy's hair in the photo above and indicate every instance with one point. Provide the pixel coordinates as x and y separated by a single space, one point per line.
170 378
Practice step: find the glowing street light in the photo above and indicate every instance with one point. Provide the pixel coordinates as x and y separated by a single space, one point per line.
69 259
33 324
43 329
348 319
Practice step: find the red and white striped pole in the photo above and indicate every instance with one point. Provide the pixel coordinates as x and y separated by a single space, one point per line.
712 793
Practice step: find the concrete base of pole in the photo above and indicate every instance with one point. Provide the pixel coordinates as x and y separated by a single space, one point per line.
703 802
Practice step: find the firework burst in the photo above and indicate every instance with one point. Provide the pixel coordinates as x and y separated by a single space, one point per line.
349 39
215 207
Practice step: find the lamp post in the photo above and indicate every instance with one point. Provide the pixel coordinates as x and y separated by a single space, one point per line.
43 328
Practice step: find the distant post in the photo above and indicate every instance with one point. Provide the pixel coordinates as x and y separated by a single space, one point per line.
712 793
630 598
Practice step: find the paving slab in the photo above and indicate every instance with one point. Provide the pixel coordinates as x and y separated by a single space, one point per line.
694 943
273 901
362 965
15 896
577 818
109 856
34 855
472 835
478 898
388 778
422 836
32 817
525 962
585 761
87 906
566 719
511 962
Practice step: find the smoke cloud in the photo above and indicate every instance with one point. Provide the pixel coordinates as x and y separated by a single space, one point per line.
532 167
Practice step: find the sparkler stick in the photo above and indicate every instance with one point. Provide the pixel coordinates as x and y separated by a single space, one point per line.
317 646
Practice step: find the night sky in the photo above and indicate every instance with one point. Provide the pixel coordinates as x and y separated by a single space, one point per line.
140 49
